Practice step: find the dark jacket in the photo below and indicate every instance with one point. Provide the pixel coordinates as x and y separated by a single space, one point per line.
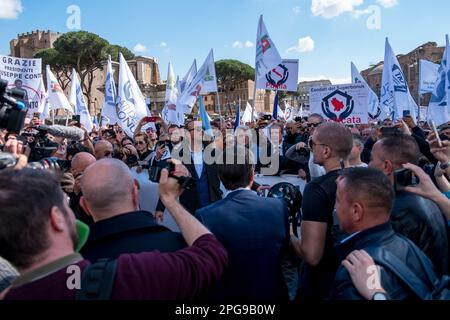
254 231
421 221
382 236
190 199
132 232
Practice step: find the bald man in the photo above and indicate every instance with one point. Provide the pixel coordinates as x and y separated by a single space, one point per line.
80 162
111 198
103 149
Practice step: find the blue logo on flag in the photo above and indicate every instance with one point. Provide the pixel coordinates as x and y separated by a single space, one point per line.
399 79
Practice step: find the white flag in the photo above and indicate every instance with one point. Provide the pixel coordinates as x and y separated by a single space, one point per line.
289 113
374 103
109 112
169 112
210 79
438 109
395 94
247 116
429 72
202 78
43 109
131 103
56 97
267 56
187 79
283 77
76 99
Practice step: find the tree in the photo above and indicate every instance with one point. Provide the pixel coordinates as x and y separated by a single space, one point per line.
84 52
230 73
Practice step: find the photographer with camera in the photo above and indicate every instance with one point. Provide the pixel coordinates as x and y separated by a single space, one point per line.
111 198
43 256
415 217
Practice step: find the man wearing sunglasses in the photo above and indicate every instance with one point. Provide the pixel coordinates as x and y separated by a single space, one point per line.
331 145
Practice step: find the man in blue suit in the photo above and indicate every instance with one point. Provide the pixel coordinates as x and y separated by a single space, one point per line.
254 231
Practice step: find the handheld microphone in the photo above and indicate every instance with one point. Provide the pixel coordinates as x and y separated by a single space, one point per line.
71 133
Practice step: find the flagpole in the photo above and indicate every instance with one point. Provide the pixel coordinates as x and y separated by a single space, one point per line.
254 94
53 117
218 102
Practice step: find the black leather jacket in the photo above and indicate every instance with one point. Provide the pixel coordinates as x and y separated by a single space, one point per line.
381 236
421 221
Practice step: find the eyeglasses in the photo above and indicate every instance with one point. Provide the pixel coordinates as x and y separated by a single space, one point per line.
139 142
108 154
314 125
312 144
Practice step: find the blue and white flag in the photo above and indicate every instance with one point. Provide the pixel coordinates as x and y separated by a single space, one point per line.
204 117
438 109
237 121
210 78
395 95
131 103
267 55
192 92
275 107
429 72
169 112
95 122
374 102
76 99
187 79
109 112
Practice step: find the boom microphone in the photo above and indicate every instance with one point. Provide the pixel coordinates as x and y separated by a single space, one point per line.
71 133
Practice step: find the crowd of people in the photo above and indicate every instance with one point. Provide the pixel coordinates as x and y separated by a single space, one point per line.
375 194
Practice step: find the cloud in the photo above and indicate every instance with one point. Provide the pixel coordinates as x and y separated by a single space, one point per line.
248 44
10 9
388 3
237 45
332 8
163 44
139 48
333 80
304 45
296 10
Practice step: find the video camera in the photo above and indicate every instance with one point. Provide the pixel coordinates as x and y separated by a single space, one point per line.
7 160
154 174
12 108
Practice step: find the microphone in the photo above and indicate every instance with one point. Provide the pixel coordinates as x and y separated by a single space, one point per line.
71 133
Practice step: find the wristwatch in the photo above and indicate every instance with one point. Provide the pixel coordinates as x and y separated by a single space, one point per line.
444 166
379 296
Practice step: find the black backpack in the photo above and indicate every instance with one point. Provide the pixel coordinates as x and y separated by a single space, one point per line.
433 289
97 280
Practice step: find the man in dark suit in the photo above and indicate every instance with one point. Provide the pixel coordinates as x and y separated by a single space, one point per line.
253 230
203 170
110 196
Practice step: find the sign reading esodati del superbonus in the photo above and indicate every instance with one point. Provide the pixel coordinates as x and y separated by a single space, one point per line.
346 103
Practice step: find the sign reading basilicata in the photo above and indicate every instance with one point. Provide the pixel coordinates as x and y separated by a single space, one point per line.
281 78
346 103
